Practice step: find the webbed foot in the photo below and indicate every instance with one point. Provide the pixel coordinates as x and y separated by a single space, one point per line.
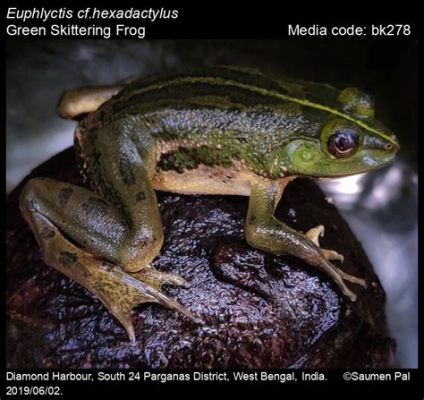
118 290
121 291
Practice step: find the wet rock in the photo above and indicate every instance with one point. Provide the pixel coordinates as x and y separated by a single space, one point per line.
261 311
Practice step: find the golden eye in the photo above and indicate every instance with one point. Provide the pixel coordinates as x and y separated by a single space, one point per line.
342 143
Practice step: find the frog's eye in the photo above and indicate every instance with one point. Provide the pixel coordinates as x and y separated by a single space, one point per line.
342 143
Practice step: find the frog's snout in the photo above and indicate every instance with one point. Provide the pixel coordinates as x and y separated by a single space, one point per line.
387 146
396 145
392 147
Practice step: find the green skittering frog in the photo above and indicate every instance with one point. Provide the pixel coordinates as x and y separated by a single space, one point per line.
221 130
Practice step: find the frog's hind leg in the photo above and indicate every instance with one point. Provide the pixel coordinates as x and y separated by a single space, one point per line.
79 233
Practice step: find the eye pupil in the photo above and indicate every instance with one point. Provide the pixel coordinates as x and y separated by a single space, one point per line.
342 143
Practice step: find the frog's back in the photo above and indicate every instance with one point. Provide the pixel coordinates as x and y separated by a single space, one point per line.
221 87
239 109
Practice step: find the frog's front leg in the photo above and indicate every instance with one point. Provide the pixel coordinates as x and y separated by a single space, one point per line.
314 234
265 232
105 248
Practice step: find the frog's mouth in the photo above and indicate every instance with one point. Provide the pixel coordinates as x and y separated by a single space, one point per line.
352 173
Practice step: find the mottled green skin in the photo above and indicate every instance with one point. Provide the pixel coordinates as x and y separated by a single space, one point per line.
221 107
261 132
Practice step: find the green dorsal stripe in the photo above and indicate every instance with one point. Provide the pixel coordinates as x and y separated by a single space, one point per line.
266 92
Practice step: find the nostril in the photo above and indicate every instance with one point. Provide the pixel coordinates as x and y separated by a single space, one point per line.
388 146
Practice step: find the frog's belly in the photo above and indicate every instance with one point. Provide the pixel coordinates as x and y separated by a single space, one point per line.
205 180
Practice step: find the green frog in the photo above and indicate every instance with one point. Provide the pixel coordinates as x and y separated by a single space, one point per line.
216 131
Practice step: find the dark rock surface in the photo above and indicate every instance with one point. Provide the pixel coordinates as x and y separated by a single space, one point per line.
262 311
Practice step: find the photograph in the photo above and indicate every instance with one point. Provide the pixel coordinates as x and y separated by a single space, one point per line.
211 204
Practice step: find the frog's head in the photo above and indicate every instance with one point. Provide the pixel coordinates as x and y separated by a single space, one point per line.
349 140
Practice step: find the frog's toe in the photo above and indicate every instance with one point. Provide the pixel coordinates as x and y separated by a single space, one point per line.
315 233
339 277
350 278
332 255
157 278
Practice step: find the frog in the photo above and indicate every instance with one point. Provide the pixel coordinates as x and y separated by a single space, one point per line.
217 130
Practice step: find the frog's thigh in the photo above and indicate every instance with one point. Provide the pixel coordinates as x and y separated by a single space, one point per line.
265 232
52 208
125 170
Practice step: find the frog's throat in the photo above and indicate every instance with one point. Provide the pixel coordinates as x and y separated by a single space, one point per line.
266 92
